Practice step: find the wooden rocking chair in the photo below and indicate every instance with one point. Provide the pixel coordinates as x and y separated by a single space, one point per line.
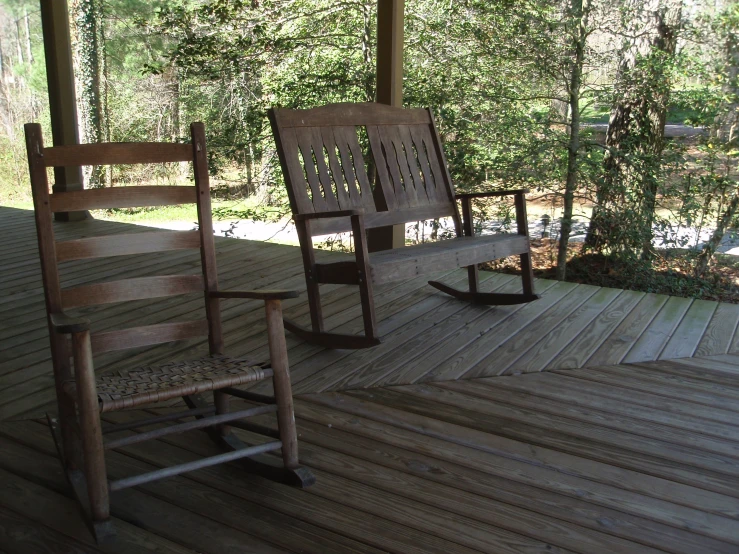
81 397
330 192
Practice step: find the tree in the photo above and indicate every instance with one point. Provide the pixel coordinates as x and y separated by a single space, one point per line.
90 64
725 132
626 199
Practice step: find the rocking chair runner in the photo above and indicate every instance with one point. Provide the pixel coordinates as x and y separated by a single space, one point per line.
81 397
330 191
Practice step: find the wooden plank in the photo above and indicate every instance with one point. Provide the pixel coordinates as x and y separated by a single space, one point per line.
620 341
507 494
497 361
688 334
720 330
649 497
146 335
121 197
464 518
635 377
649 456
651 342
194 530
116 154
547 348
125 290
347 517
21 535
713 368
578 379
590 339
517 318
121 245
407 262
407 324
448 337
607 418
591 396
344 114
61 514
374 368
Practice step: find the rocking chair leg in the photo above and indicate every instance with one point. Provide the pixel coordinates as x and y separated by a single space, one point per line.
92 436
222 401
281 380
527 274
70 449
473 278
314 301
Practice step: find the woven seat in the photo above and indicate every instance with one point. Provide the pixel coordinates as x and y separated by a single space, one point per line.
154 383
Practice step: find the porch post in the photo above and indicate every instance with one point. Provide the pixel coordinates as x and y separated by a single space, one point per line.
62 100
390 23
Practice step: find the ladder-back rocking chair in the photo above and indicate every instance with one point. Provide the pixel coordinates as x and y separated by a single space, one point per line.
82 396
330 191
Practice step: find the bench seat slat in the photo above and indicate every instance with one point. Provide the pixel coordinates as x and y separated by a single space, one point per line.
430 257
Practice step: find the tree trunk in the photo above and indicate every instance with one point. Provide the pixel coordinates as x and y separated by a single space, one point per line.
26 19
626 200
90 54
727 121
579 15
709 249
367 46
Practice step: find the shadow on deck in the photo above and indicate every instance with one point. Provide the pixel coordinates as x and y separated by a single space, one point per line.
416 447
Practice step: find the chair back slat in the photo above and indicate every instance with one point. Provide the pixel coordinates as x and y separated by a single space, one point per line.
147 335
122 197
139 288
121 153
355 174
127 244
124 290
326 170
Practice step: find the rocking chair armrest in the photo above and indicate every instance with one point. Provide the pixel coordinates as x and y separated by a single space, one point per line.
325 215
490 194
255 294
67 325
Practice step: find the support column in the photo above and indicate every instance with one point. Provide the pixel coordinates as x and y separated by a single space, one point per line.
390 31
62 99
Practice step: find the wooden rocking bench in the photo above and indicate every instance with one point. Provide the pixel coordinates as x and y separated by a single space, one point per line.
330 191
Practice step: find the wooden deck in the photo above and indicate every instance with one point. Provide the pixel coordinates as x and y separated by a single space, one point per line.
417 445
427 335
623 459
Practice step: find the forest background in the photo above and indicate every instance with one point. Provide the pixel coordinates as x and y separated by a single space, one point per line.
567 98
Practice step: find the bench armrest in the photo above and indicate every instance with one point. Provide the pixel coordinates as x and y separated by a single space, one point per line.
66 325
255 294
325 215
490 194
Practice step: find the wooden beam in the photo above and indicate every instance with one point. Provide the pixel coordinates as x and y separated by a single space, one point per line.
390 32
62 99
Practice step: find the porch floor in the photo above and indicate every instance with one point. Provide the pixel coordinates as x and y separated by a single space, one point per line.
427 335
417 444
623 459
